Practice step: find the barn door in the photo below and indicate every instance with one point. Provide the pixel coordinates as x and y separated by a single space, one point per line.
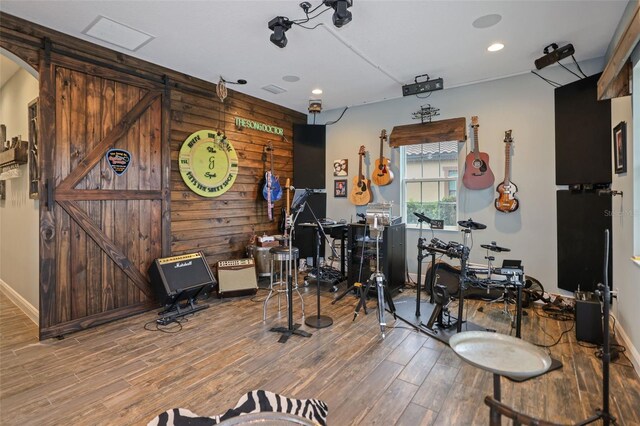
100 229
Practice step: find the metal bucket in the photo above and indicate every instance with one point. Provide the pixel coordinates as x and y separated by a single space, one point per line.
262 259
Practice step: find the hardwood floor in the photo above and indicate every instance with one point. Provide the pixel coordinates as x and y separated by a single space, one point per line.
122 374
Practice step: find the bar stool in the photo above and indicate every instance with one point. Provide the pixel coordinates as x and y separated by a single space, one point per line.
281 255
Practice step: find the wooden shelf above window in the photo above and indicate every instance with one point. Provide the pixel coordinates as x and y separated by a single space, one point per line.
452 129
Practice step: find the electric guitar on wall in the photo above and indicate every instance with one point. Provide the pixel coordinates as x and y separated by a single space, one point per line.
271 191
477 173
382 174
282 225
507 201
361 192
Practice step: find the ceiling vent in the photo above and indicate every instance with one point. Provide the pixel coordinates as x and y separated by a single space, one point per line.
118 34
276 90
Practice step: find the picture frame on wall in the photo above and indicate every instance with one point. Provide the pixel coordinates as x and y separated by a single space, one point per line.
341 167
620 148
340 188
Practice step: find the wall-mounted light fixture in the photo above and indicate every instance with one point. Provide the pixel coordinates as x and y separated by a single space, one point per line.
281 24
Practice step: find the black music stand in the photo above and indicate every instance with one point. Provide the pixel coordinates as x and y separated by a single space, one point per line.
318 321
297 205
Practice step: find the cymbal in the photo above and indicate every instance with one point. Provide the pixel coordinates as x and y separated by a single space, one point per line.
494 247
471 224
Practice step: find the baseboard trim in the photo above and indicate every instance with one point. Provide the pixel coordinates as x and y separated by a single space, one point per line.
631 351
22 303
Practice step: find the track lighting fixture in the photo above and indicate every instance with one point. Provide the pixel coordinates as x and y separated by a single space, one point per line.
553 53
281 24
341 16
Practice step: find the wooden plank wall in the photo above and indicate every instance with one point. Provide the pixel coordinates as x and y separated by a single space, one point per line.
223 226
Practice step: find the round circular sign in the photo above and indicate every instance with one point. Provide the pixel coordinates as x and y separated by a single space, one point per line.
208 163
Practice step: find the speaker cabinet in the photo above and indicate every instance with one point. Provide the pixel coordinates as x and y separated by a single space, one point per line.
582 219
589 320
583 134
237 277
309 145
392 255
181 277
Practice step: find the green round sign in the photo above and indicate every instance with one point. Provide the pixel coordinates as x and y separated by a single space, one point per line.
208 163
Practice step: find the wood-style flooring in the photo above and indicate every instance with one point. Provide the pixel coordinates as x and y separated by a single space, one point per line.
122 374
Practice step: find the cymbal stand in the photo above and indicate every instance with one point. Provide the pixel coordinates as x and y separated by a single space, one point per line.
291 328
464 258
421 247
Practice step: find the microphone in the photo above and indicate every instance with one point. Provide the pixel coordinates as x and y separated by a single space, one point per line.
316 191
422 217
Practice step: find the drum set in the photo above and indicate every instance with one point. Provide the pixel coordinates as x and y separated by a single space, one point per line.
509 276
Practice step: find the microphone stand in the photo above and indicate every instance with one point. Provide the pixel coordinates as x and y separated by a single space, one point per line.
319 321
604 414
291 328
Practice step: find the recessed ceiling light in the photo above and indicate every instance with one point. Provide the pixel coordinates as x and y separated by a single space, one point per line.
487 21
495 47
291 78
113 32
317 91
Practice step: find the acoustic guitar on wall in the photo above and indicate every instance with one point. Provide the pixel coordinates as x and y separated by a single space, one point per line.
477 173
361 191
382 174
507 201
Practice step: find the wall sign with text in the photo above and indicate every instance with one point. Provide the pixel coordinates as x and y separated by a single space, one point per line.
241 123
208 163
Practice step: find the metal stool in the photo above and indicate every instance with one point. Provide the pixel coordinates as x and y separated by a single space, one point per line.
281 255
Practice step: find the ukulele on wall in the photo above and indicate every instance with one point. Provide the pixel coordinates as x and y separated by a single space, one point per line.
507 201
361 192
477 173
382 174
271 191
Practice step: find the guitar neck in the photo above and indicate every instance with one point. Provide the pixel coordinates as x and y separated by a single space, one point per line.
360 176
476 143
507 163
381 145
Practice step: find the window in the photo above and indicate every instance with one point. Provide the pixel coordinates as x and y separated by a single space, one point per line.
431 182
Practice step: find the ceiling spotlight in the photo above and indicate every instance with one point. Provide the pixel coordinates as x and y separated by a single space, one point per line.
495 47
341 16
552 56
279 25
317 91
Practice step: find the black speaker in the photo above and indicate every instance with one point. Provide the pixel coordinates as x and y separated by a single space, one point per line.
588 319
582 217
583 134
309 145
182 277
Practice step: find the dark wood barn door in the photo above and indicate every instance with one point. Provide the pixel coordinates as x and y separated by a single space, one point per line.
99 231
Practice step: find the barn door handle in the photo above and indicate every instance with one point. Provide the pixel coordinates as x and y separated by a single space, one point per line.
50 200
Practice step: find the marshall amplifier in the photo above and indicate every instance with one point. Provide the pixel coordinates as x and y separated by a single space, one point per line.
181 277
237 277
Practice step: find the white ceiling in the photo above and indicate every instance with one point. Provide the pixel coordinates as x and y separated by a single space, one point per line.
386 45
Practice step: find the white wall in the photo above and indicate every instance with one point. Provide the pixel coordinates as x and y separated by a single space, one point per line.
19 260
626 275
522 103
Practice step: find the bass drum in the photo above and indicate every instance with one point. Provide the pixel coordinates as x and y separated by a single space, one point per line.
446 275
449 276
